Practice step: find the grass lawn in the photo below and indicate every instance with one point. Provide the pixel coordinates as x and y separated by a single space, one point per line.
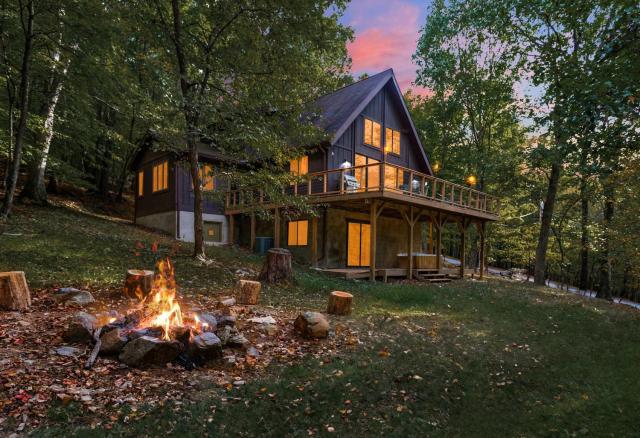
469 358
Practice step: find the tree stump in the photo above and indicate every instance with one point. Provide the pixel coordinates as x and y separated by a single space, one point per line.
248 291
277 266
339 303
138 283
14 292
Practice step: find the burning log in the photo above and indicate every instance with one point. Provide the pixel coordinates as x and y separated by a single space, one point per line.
340 303
248 291
14 292
277 266
138 283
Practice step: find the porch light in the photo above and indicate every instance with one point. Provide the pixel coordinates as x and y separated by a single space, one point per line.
436 167
471 180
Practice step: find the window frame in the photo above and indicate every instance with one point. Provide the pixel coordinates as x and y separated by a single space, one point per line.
140 182
205 171
295 166
164 166
364 132
391 150
296 234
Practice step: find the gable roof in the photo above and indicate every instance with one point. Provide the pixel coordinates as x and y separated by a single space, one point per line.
340 108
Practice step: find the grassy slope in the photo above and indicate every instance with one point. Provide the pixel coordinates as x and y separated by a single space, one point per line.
493 359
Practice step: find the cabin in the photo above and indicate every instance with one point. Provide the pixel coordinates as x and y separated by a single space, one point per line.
380 208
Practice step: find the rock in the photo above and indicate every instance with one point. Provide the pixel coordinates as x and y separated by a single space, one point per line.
68 351
227 320
263 320
205 346
147 351
71 295
267 329
238 383
208 322
238 341
80 330
227 302
112 341
253 352
154 332
225 334
312 325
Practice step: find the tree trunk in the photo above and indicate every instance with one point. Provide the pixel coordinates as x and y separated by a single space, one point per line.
35 188
25 80
198 235
339 303
277 266
606 287
14 292
545 225
584 236
248 292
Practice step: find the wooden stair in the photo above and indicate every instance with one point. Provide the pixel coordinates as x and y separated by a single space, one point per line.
431 276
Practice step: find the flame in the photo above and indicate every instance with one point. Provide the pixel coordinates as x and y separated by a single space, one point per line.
163 303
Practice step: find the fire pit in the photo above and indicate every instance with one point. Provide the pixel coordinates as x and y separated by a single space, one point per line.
157 331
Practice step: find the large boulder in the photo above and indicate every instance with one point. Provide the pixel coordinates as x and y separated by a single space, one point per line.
312 325
208 322
81 328
112 341
147 351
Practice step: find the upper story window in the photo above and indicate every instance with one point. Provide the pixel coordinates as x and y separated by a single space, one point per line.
140 183
297 233
207 180
372 133
299 166
161 176
392 141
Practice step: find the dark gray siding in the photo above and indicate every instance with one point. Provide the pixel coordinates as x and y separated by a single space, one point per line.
186 197
159 202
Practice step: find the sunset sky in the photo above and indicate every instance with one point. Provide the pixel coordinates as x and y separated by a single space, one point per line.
386 33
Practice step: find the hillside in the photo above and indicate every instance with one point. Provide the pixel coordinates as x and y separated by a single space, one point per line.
495 358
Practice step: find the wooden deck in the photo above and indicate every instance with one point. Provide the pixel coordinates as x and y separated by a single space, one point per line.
427 275
381 181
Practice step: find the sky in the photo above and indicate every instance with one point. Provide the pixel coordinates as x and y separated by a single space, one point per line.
386 34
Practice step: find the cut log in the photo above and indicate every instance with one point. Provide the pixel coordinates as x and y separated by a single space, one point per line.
14 292
138 283
277 266
248 291
340 303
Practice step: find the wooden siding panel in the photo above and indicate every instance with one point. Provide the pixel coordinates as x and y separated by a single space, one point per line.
159 202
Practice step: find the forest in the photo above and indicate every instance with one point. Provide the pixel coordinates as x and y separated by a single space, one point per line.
535 101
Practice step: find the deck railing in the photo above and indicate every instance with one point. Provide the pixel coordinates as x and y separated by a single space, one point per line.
378 177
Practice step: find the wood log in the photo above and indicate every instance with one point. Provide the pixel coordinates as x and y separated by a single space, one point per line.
277 266
138 283
248 292
14 292
96 349
340 303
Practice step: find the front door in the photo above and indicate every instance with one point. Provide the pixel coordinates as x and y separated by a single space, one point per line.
358 244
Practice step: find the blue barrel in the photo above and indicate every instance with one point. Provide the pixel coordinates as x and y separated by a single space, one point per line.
263 244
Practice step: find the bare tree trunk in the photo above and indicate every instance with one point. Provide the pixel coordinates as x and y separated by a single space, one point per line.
25 79
35 188
545 225
584 236
606 286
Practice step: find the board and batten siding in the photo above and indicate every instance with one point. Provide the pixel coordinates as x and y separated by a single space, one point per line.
152 203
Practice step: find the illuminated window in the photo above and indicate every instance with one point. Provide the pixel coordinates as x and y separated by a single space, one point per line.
392 141
358 244
161 176
298 231
300 166
368 177
207 180
372 133
140 183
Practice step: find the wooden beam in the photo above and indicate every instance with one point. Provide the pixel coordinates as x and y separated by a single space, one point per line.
439 241
482 250
373 213
232 227
276 228
463 236
314 241
252 244
410 243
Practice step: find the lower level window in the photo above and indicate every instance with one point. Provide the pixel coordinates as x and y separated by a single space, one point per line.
298 231
213 231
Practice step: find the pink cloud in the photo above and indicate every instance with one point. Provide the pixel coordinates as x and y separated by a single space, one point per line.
386 34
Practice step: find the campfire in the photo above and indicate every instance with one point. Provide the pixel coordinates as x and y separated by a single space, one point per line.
156 330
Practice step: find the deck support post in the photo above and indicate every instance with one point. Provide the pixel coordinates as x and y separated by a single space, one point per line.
314 241
481 229
438 225
463 236
252 244
276 228
373 217
410 246
232 228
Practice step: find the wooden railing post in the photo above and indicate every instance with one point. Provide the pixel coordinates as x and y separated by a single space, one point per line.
341 181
